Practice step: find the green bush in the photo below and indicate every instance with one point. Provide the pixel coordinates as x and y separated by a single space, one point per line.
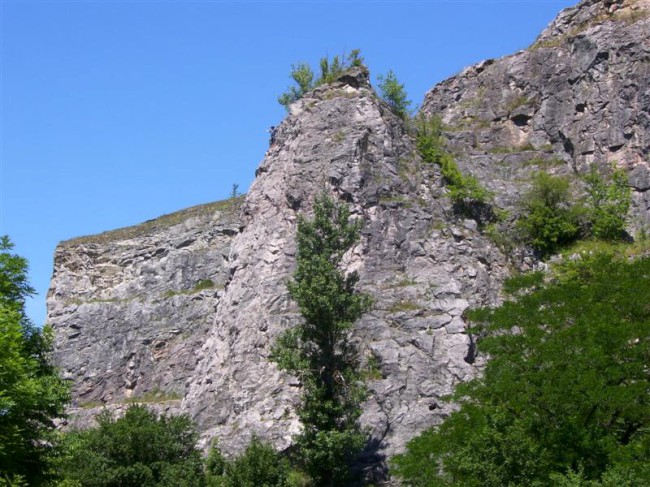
608 202
394 94
563 399
330 70
302 74
259 466
137 450
551 217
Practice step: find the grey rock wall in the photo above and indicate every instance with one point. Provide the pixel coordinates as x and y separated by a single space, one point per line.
126 308
580 95
129 323
422 266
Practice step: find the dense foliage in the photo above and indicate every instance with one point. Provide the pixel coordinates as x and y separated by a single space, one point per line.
550 216
394 94
136 450
303 75
259 466
608 201
319 350
31 392
553 216
564 397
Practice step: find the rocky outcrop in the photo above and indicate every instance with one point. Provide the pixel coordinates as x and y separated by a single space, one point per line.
579 95
422 267
130 307
183 310
129 322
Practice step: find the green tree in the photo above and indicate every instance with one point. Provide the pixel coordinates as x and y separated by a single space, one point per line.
302 74
393 93
319 350
259 466
330 70
137 450
608 201
31 391
564 397
550 217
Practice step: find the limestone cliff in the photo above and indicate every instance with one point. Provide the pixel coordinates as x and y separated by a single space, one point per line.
182 310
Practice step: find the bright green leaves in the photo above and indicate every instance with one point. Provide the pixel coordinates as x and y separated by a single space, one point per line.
608 202
31 392
330 70
552 216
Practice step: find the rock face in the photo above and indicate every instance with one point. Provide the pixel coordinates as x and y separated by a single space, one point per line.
121 332
183 310
580 95
130 306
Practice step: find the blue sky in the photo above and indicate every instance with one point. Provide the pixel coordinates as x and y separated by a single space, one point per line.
115 112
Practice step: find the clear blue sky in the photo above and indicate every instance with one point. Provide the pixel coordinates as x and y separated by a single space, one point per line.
115 112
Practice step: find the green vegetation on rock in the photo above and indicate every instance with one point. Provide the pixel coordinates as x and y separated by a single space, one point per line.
303 75
464 190
553 216
32 394
394 94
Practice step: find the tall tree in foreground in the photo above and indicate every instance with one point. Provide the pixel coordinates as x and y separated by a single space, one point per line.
31 392
563 400
319 350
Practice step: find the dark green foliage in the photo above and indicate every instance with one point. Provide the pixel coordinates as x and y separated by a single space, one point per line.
464 190
319 350
330 70
137 450
550 218
608 202
393 93
564 396
31 392
259 466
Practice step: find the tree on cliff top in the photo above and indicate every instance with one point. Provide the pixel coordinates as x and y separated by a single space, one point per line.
330 70
31 392
319 350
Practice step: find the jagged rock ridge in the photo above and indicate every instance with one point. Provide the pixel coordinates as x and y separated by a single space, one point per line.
133 318
580 95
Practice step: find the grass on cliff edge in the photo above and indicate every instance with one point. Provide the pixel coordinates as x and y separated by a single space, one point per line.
160 223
